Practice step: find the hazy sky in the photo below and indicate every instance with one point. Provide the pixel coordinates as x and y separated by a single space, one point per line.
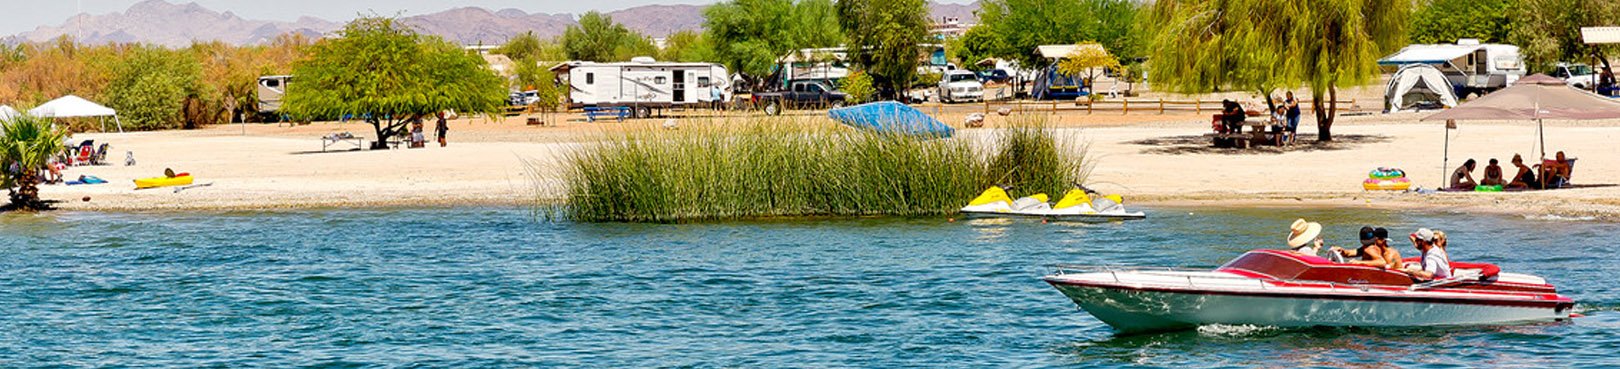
25 15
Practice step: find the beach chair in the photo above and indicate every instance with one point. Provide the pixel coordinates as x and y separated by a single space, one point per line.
100 155
87 150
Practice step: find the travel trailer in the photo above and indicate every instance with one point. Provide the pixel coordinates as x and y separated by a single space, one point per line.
1471 67
643 84
271 89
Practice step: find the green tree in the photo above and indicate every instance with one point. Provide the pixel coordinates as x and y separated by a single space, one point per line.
749 35
29 142
1087 58
151 86
1208 46
1549 31
1011 29
597 38
386 69
686 46
535 75
883 37
525 45
1445 21
976 45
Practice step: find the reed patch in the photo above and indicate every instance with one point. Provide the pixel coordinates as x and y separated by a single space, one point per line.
777 166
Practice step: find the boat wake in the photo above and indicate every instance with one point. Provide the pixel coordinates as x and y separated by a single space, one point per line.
1566 218
1239 330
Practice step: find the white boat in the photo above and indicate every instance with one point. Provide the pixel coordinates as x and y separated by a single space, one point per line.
1281 288
1077 204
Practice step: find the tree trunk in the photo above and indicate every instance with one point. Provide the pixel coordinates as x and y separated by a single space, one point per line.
1325 115
27 194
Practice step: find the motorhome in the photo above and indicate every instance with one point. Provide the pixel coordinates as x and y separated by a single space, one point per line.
1471 67
643 84
271 89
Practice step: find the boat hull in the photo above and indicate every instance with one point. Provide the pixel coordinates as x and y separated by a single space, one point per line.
1136 309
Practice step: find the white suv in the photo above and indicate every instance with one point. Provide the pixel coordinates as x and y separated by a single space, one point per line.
960 85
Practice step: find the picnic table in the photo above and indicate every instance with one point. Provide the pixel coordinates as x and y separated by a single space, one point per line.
335 139
619 112
1257 134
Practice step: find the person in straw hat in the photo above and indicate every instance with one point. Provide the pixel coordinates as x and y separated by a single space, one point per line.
1305 238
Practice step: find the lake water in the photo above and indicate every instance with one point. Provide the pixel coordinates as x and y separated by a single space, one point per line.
494 287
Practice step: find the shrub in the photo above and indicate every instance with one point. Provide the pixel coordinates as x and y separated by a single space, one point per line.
151 85
858 85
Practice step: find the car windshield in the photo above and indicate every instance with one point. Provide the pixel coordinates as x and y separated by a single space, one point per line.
1580 70
962 77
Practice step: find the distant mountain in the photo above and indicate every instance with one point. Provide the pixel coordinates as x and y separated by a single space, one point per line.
165 23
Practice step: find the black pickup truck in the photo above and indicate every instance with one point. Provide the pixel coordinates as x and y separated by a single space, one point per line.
799 95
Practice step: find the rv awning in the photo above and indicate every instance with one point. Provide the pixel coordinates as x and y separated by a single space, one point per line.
1600 35
1062 51
1427 54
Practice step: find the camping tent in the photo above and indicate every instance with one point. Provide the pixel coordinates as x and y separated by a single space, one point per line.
73 107
1538 97
1416 86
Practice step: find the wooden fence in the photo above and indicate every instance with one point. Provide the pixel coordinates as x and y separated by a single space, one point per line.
1126 106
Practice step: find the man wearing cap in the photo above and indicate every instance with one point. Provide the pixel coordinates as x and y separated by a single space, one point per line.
1435 264
1305 237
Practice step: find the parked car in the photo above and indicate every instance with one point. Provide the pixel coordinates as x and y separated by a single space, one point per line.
800 95
993 75
1576 75
523 98
960 85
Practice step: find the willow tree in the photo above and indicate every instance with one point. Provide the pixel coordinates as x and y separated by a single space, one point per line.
383 68
1261 45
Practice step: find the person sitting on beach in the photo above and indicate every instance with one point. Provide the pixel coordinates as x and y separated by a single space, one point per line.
1556 173
1493 175
1434 264
1463 177
1305 238
1525 177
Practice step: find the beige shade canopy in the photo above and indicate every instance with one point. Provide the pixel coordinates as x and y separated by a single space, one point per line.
1535 97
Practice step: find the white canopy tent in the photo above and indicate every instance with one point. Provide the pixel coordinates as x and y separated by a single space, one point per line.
1417 85
74 107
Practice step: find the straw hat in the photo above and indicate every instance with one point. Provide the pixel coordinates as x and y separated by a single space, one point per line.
1302 232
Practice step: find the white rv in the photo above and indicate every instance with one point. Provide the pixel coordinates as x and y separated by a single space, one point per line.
271 89
1471 67
643 84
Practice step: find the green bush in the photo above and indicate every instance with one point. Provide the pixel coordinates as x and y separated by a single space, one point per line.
151 85
858 85
785 167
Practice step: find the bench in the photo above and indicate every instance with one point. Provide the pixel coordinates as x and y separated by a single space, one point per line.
619 112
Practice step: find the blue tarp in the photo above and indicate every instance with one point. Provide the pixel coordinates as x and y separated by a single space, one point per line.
891 117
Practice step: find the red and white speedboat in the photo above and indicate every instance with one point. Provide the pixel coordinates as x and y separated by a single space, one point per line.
1280 288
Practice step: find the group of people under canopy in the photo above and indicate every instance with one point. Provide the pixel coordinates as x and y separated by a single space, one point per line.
1549 174
1305 238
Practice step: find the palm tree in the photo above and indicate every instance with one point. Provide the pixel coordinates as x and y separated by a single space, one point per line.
26 147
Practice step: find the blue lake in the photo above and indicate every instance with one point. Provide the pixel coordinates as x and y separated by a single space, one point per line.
495 287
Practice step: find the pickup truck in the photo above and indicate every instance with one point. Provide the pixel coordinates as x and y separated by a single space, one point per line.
799 95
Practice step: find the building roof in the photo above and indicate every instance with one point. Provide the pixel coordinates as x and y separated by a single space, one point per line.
1600 35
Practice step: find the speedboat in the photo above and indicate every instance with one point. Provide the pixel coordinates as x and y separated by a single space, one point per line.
1282 288
1077 204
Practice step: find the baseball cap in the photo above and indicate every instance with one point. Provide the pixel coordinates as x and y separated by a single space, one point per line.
1381 233
1367 236
1424 234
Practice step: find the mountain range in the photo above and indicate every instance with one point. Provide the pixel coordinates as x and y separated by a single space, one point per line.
164 23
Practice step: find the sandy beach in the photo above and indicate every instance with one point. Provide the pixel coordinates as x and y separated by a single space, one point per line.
1151 158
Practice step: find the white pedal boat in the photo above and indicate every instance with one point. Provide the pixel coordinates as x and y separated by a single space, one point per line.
1077 204
1280 288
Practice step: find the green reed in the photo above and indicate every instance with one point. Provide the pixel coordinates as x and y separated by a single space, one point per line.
803 167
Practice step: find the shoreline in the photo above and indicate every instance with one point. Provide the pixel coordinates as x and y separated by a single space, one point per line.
1152 160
